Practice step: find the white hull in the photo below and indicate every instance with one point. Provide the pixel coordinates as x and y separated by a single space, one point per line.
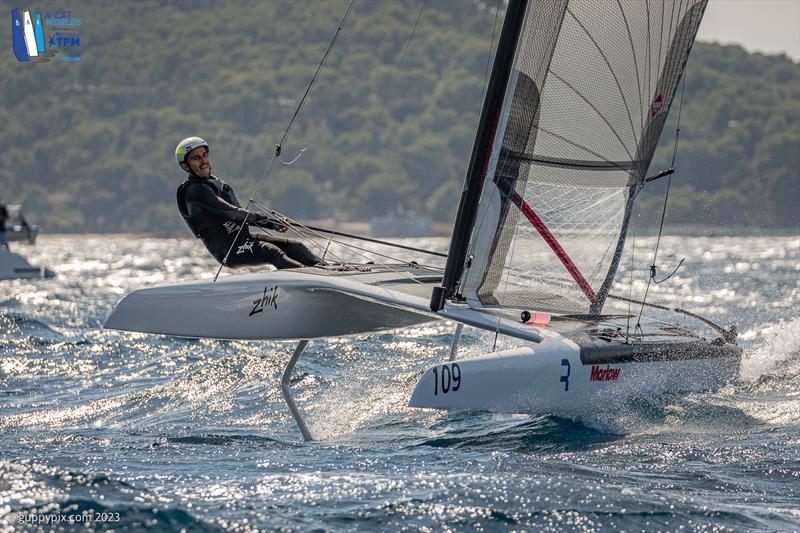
14 266
553 378
271 305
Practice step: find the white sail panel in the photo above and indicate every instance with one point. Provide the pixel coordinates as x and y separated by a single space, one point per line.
586 102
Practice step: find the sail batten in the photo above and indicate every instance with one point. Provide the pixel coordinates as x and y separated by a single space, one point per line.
588 93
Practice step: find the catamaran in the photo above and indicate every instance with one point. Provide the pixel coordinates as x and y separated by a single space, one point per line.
14 266
575 104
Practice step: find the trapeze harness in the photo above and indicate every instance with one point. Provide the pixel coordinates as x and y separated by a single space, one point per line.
213 213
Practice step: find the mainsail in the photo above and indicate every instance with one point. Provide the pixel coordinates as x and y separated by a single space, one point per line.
585 101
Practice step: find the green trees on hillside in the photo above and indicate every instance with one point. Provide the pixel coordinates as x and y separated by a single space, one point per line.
88 146
739 149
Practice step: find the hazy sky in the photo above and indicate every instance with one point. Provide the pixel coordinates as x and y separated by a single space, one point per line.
769 26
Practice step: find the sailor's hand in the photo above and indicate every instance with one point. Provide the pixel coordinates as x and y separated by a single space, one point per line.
279 224
267 222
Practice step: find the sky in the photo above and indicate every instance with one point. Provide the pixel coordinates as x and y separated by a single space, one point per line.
769 26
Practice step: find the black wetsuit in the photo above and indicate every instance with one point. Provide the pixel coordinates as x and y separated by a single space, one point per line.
213 213
3 218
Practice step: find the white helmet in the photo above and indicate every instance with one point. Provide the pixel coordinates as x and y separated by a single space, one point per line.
186 146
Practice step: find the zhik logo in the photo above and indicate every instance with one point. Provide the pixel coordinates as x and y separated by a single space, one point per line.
269 299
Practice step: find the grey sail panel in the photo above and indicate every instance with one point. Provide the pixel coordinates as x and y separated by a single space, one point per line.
591 86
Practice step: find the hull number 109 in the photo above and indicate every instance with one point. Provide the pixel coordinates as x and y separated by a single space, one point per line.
446 378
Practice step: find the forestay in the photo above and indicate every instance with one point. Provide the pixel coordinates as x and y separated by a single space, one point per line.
591 85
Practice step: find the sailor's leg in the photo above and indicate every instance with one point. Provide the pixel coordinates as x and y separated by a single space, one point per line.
256 252
295 250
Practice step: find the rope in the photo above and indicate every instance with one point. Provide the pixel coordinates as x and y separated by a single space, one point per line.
352 235
405 50
293 161
313 79
277 152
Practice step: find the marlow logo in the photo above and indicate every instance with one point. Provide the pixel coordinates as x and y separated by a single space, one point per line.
604 374
27 37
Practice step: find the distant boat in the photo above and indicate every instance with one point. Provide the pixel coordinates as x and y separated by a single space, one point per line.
14 266
18 37
30 36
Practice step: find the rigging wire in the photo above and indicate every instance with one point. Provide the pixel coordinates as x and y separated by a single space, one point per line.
278 148
310 234
505 289
330 238
630 287
489 55
398 68
652 277
276 154
313 234
354 236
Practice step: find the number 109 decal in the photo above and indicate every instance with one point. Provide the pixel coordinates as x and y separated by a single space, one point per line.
446 378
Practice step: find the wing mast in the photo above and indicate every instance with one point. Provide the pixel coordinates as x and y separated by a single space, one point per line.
481 151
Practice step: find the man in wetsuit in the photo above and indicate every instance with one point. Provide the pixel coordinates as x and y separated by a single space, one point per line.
3 218
211 210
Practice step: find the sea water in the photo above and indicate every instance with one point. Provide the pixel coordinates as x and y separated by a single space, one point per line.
111 430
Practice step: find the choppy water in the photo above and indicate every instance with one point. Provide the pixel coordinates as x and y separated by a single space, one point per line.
175 434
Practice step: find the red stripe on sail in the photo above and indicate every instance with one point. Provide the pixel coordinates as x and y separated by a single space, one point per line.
551 240
487 154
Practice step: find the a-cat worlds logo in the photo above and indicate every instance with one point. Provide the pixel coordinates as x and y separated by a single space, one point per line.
31 43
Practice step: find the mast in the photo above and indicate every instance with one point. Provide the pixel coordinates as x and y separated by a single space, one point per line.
481 151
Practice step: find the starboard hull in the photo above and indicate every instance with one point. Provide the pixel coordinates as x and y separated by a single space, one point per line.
559 377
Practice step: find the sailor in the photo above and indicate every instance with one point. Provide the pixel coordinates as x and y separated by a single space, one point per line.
3 218
211 210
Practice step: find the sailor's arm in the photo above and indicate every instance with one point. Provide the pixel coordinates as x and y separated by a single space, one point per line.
203 198
200 199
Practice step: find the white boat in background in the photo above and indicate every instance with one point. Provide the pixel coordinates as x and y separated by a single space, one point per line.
14 266
575 104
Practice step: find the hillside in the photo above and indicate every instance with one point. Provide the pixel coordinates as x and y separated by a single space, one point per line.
87 145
